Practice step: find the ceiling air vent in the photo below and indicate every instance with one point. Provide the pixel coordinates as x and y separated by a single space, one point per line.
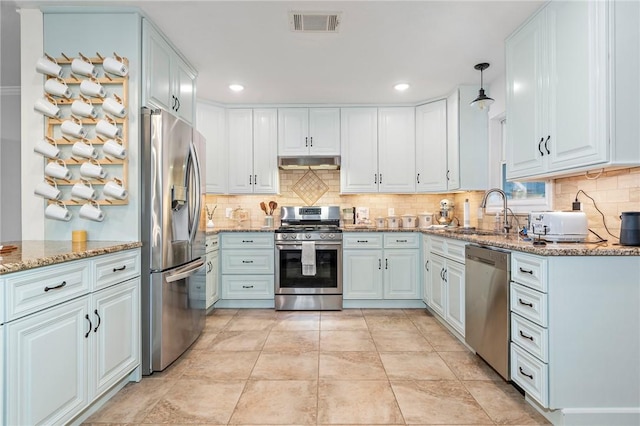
314 22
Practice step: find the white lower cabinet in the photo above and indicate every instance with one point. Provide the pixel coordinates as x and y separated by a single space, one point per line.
381 268
212 292
444 269
247 265
64 356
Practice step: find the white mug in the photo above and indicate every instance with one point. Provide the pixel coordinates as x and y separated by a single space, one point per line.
92 88
114 107
83 109
91 211
83 190
58 211
73 127
114 148
48 191
48 108
92 169
84 149
48 66
108 129
81 66
114 189
57 87
47 147
57 169
114 66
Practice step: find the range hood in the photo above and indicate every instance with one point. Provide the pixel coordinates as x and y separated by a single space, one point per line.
306 163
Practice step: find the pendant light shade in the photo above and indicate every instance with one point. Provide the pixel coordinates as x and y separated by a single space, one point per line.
482 101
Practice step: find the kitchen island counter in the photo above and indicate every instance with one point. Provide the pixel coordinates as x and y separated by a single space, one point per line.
34 254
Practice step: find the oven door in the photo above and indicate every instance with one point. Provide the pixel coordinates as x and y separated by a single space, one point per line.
328 277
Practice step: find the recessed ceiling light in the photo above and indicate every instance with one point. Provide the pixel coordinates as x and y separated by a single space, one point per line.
236 87
401 87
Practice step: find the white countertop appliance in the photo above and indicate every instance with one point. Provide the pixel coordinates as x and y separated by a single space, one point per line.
569 226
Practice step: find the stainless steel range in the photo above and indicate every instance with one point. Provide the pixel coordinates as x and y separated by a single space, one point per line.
309 259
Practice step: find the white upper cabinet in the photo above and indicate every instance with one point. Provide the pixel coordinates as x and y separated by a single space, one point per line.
378 147
431 146
308 131
396 150
210 121
359 150
252 144
169 82
560 71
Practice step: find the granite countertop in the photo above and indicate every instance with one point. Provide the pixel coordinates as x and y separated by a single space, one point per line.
514 242
34 254
214 231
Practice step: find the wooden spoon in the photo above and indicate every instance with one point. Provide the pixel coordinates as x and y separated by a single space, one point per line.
263 206
272 207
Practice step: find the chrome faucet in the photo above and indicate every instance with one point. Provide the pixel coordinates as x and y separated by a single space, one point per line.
483 205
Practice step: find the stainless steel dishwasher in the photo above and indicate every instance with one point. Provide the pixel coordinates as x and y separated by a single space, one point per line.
487 276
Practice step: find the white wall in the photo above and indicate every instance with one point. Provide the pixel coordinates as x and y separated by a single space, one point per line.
57 33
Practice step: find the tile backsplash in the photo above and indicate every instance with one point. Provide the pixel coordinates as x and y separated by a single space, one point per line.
614 192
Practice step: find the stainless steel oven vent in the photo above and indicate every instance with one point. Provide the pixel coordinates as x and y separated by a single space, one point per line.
315 22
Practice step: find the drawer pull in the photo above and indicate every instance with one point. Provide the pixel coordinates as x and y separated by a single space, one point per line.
95 330
247 286
247 261
526 271
525 336
525 374
522 302
380 264
122 268
426 265
56 287
247 241
90 326
363 241
401 241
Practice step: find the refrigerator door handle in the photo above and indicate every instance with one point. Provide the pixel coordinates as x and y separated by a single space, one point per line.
195 169
185 271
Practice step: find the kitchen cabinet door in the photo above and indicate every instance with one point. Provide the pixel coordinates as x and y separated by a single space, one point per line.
265 151
431 146
240 137
184 89
426 272
401 271
454 284
438 294
47 358
156 68
362 274
212 292
210 121
396 150
116 329
308 131
359 150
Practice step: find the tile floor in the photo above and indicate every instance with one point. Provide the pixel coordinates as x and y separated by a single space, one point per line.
357 366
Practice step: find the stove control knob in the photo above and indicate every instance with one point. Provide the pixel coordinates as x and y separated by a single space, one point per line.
293 236
285 236
307 236
332 236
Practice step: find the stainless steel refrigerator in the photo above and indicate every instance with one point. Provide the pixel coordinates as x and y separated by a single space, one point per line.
173 252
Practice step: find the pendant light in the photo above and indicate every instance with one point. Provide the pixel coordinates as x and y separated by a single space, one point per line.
482 101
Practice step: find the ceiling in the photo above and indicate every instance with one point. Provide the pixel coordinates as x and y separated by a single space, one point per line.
432 45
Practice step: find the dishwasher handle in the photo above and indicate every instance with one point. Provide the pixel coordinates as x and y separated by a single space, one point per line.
496 258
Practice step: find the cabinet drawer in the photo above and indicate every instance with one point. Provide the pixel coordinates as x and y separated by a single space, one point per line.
529 270
247 240
438 246
529 303
402 240
531 374
211 243
116 268
41 288
530 336
351 240
455 250
247 262
247 286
